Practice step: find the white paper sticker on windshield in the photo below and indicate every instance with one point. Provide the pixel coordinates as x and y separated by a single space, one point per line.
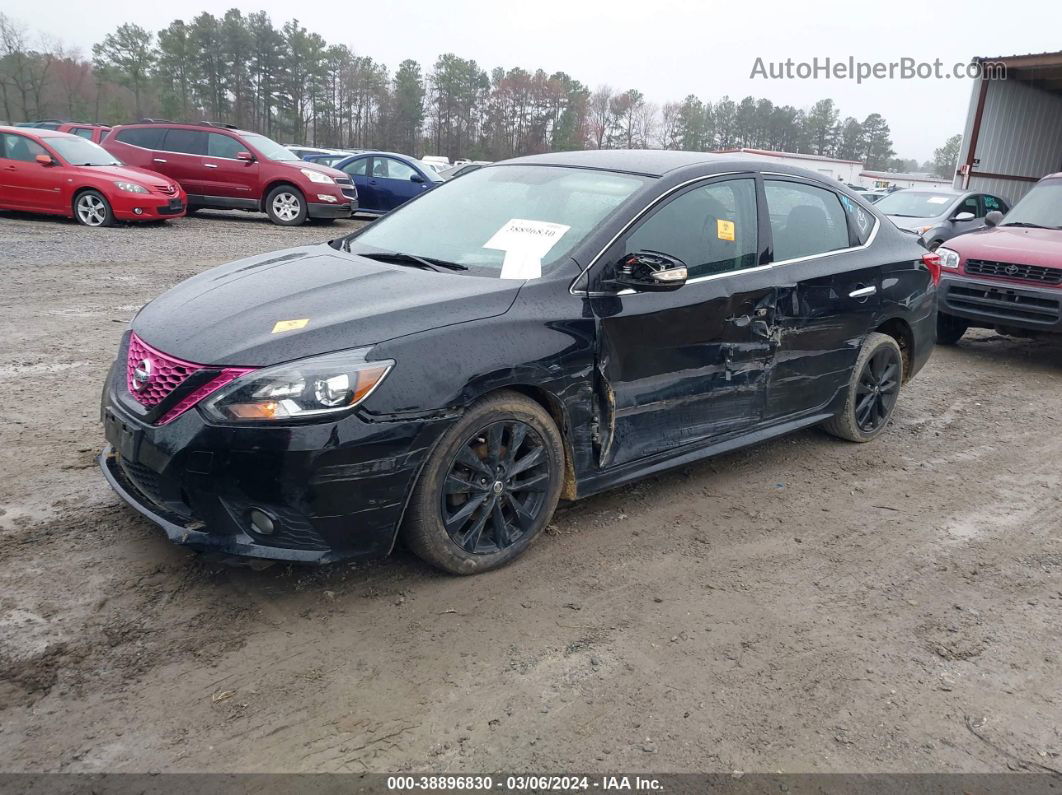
525 243
938 199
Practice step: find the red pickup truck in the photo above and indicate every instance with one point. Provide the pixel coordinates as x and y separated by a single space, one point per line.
1007 276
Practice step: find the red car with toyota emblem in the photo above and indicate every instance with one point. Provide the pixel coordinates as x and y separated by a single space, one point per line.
1007 276
56 173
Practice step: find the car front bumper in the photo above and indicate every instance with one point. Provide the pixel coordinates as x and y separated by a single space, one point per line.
343 209
334 490
989 303
153 207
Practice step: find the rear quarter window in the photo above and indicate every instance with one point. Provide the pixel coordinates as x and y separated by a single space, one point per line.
862 220
145 137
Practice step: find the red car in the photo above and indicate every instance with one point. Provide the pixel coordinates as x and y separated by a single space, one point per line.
44 171
1007 276
223 168
93 132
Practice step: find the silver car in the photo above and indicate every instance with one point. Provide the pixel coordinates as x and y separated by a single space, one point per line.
939 215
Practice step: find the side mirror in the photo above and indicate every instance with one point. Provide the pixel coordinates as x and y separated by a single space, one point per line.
45 160
993 218
650 272
963 216
415 177
246 157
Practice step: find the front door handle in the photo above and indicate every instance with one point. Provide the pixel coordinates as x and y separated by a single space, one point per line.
210 165
160 160
863 292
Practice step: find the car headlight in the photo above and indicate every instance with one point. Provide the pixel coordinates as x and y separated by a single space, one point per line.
314 387
316 176
948 258
130 187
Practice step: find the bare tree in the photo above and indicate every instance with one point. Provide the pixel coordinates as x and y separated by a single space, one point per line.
600 115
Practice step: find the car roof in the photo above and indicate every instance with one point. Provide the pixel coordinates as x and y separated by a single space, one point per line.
652 162
39 132
187 126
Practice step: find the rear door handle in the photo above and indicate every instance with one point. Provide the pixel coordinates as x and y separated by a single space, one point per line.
160 160
863 292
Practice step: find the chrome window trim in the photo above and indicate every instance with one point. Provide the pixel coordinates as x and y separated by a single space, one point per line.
870 238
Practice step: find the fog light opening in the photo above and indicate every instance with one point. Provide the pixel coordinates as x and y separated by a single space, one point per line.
138 210
262 523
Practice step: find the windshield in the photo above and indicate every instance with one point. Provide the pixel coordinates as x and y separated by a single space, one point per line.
916 204
1042 206
269 148
524 218
80 152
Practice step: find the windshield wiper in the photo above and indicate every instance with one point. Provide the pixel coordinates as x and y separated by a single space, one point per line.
901 215
1026 224
399 258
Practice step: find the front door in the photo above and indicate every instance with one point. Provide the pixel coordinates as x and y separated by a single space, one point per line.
25 183
226 177
394 183
690 365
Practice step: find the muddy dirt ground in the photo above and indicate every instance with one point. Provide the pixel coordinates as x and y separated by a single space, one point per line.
806 605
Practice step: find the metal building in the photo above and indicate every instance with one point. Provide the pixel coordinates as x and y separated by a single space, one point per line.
1013 133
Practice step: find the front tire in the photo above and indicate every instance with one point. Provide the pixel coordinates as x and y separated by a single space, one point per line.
286 206
91 208
872 391
950 329
488 488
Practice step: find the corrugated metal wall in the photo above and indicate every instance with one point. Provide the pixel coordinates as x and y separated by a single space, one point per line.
1021 135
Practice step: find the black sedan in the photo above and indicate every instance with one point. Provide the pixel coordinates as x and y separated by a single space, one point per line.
540 329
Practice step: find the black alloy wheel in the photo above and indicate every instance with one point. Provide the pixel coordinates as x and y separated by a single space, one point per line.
495 488
877 389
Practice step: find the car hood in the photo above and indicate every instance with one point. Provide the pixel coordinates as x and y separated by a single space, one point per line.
229 315
130 173
1041 247
914 224
309 165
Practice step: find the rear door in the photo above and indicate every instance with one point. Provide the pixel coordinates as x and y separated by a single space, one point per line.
687 366
226 177
829 291
181 157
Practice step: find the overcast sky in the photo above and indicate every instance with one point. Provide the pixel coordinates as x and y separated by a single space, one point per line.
665 48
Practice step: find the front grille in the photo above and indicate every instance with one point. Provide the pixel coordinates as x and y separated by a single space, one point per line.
350 193
1014 270
171 209
163 373
343 181
1003 305
152 375
169 190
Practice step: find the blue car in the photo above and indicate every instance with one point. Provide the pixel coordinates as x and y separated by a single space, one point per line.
386 180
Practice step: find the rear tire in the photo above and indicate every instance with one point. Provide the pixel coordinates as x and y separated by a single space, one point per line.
91 208
950 329
872 391
286 206
488 488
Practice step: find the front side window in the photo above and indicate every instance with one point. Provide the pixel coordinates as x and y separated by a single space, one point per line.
805 220
713 228
187 142
389 168
19 147
84 132
477 220
219 145
971 204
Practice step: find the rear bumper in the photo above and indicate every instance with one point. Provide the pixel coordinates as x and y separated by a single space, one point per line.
989 303
328 210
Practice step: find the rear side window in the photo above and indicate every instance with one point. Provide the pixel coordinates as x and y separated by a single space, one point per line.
19 147
862 222
994 203
805 220
84 132
712 228
145 137
219 145
188 142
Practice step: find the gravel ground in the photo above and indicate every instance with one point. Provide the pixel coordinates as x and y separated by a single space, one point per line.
806 605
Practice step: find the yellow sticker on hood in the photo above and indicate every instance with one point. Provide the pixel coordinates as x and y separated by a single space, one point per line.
289 325
724 230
